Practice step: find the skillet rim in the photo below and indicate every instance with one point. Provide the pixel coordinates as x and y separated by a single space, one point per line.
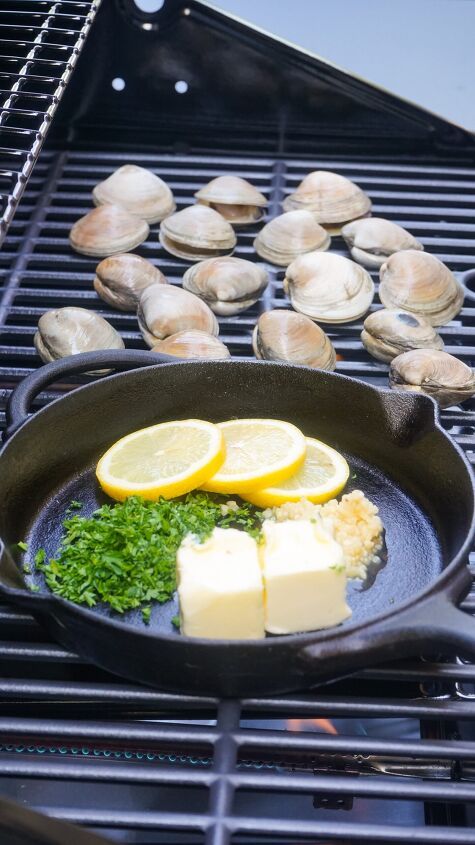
325 635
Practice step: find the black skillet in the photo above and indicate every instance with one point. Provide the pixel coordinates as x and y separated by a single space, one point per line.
398 451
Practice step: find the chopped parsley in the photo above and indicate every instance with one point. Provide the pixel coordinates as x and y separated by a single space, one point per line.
40 557
124 555
74 505
23 546
175 620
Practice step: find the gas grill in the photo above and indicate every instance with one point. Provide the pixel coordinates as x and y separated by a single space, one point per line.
386 756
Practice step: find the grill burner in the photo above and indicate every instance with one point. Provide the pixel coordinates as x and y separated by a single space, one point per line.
74 741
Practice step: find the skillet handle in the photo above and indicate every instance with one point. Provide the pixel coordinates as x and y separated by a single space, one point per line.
431 626
454 630
21 398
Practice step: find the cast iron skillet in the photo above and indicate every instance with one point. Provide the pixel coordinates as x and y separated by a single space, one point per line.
402 458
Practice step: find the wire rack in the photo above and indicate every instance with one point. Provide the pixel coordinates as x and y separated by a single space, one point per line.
40 43
86 747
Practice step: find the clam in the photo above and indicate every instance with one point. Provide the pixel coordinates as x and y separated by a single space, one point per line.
107 230
137 190
289 235
438 374
121 279
228 285
287 336
192 344
236 199
165 310
68 331
328 287
371 240
390 332
197 232
333 199
420 283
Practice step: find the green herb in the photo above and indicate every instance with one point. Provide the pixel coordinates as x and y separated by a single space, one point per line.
175 620
124 555
146 613
34 588
23 546
353 475
26 568
74 505
339 567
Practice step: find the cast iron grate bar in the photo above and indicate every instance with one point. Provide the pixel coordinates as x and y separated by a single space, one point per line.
41 42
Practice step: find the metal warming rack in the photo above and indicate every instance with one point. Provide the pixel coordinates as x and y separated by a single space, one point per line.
82 745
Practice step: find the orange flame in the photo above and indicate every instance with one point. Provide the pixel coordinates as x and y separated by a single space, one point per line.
303 724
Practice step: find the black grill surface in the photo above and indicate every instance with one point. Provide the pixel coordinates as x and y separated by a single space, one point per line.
404 729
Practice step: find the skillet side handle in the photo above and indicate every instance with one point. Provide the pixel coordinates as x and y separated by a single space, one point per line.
20 401
454 630
434 626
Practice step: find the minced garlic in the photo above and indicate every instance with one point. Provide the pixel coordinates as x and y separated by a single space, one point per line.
353 522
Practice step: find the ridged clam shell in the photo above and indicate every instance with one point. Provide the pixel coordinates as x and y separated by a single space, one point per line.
107 230
197 232
328 288
289 235
69 331
228 285
372 239
192 344
333 199
287 336
165 310
121 279
420 283
234 198
390 332
438 374
138 190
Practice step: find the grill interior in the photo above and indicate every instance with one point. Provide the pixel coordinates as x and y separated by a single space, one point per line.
73 740
387 756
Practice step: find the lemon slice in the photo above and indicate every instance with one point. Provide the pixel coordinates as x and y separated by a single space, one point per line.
322 476
168 459
258 453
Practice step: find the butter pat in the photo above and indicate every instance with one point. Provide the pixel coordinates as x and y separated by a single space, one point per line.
220 586
304 577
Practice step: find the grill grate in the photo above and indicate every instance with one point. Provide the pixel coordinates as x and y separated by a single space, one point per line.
77 742
40 45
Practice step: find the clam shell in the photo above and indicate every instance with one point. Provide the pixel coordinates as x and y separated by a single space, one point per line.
107 230
165 310
390 332
192 344
197 232
332 198
289 235
287 336
438 374
137 190
234 198
420 283
121 279
371 240
69 331
228 285
328 288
